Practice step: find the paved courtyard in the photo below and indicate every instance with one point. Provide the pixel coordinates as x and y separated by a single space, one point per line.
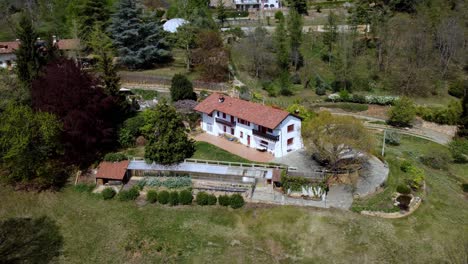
235 148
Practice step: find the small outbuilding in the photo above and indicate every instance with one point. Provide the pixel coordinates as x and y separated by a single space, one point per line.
111 172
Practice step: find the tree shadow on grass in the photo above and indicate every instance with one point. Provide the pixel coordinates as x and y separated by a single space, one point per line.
28 240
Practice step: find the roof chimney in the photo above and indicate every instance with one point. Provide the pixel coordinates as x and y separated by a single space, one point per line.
221 99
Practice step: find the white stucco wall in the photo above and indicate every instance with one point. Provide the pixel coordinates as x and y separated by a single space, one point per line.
278 148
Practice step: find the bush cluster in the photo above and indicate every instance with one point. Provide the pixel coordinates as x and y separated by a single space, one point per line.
449 115
294 183
152 196
108 193
163 197
392 138
224 200
403 189
459 150
185 197
435 160
114 157
173 198
360 99
415 175
236 201
204 198
129 195
457 88
402 112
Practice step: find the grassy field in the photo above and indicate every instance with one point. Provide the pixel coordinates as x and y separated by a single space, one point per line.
208 151
97 231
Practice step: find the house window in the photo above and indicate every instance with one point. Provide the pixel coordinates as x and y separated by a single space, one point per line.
291 128
244 122
290 141
263 142
217 114
270 130
224 115
232 131
241 134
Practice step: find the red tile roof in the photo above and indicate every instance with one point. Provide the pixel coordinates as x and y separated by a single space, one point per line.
8 47
112 170
256 113
63 44
68 44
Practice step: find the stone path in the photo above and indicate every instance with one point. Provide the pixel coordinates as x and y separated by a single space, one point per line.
235 148
339 196
372 176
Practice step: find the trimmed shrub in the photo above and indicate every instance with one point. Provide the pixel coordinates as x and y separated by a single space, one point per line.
449 115
114 157
129 195
392 138
173 198
236 201
224 200
457 88
403 189
152 196
279 15
320 90
84 188
211 199
435 160
415 175
185 197
108 193
402 113
459 150
405 166
202 198
182 88
163 197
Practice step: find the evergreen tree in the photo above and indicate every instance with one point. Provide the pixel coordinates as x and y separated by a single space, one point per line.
281 46
295 36
101 44
331 32
28 61
300 6
168 143
140 42
221 12
182 88
90 14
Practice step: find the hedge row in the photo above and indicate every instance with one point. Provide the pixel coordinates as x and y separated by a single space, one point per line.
124 195
172 198
449 115
235 200
361 99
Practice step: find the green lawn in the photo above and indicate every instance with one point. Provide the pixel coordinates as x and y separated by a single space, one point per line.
97 231
208 151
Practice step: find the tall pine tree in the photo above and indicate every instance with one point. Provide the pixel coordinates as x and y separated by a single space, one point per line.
90 14
28 59
141 42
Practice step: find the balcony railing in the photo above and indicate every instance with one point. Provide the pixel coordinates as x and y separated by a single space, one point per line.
258 133
225 122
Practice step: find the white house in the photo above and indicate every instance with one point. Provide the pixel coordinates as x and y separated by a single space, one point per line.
256 4
255 125
7 56
7 50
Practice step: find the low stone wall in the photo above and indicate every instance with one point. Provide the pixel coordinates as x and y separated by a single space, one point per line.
413 206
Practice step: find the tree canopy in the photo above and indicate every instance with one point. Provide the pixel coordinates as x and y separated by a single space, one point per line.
182 88
168 142
140 41
30 147
329 137
90 117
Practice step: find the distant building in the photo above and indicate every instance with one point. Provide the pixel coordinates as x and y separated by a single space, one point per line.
245 5
70 48
255 125
172 24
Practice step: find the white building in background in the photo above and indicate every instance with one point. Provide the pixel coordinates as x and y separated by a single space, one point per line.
254 125
256 4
